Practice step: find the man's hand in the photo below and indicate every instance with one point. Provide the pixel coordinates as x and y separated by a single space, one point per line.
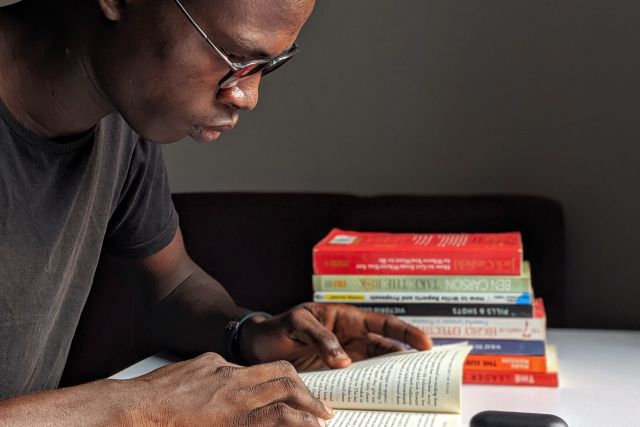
205 391
208 390
317 336
188 310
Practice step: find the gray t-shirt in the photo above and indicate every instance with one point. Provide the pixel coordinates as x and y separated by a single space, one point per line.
60 206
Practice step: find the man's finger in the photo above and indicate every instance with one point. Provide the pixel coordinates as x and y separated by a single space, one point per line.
391 327
284 385
280 414
307 328
288 391
378 345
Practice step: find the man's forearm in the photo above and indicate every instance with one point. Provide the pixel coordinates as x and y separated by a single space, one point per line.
102 403
193 317
186 309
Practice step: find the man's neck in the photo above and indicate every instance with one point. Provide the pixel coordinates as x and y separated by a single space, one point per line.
46 80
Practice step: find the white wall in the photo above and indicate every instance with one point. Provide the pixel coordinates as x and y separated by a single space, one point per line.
459 97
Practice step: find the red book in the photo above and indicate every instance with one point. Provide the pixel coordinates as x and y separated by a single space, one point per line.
541 379
354 252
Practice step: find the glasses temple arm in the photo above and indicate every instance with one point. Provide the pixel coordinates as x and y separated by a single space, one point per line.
204 35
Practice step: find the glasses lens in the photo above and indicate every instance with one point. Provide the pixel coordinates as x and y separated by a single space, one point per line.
274 65
249 70
265 68
234 77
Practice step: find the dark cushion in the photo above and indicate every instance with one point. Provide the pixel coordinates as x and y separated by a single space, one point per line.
258 245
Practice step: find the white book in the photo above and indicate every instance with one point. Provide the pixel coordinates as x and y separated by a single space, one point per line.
418 388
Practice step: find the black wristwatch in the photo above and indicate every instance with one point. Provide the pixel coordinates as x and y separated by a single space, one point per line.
232 333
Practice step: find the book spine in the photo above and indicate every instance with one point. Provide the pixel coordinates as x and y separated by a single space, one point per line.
510 347
451 310
530 329
422 283
523 298
338 238
542 379
455 262
491 362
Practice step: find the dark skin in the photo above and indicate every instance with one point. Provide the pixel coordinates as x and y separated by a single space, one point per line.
65 65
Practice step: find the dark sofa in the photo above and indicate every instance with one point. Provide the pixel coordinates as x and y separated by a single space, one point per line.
259 246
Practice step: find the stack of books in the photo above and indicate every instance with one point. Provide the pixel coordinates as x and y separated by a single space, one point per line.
455 286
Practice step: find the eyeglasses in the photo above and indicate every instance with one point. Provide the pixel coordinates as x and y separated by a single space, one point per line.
241 70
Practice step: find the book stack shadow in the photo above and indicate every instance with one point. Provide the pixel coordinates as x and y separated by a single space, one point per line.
457 287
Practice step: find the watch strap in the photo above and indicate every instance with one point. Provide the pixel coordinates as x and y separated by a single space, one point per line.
233 330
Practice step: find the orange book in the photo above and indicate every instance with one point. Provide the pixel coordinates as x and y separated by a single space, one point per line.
505 362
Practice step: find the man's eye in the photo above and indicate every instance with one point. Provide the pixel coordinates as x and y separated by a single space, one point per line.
233 56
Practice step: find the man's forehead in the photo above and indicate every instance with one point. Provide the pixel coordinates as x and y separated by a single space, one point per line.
261 12
257 28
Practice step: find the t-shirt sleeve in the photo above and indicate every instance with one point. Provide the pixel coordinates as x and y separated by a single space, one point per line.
144 220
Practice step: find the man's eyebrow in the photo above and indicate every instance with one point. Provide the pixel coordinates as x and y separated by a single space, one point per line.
256 53
245 49
249 54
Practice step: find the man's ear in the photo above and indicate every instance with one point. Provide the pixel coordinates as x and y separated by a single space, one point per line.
112 9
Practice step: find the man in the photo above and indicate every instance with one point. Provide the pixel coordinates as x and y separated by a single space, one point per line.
78 181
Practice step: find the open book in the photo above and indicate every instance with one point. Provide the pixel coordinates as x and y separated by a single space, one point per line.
411 389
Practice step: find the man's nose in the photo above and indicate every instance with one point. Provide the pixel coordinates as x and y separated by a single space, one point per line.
243 96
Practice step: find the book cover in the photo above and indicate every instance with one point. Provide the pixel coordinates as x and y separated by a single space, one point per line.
496 346
353 252
541 379
510 362
523 311
523 298
532 329
547 378
425 283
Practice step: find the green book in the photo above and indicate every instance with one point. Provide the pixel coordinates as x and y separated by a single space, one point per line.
419 283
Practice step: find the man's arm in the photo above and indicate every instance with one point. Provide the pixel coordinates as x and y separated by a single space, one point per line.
202 391
188 310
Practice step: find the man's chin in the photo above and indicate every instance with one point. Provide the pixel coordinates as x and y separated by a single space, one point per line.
162 141
162 138
200 134
157 135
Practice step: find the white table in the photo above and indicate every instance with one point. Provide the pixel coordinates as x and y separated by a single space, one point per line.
599 382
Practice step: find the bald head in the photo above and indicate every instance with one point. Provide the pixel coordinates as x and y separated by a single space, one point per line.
256 24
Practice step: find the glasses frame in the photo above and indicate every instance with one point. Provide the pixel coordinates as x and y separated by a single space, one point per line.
252 67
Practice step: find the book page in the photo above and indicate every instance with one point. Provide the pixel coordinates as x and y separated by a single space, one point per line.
420 381
391 419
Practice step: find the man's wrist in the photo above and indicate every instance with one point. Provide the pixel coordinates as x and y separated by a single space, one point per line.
236 329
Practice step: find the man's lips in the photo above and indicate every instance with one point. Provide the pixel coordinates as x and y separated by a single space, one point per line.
206 134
